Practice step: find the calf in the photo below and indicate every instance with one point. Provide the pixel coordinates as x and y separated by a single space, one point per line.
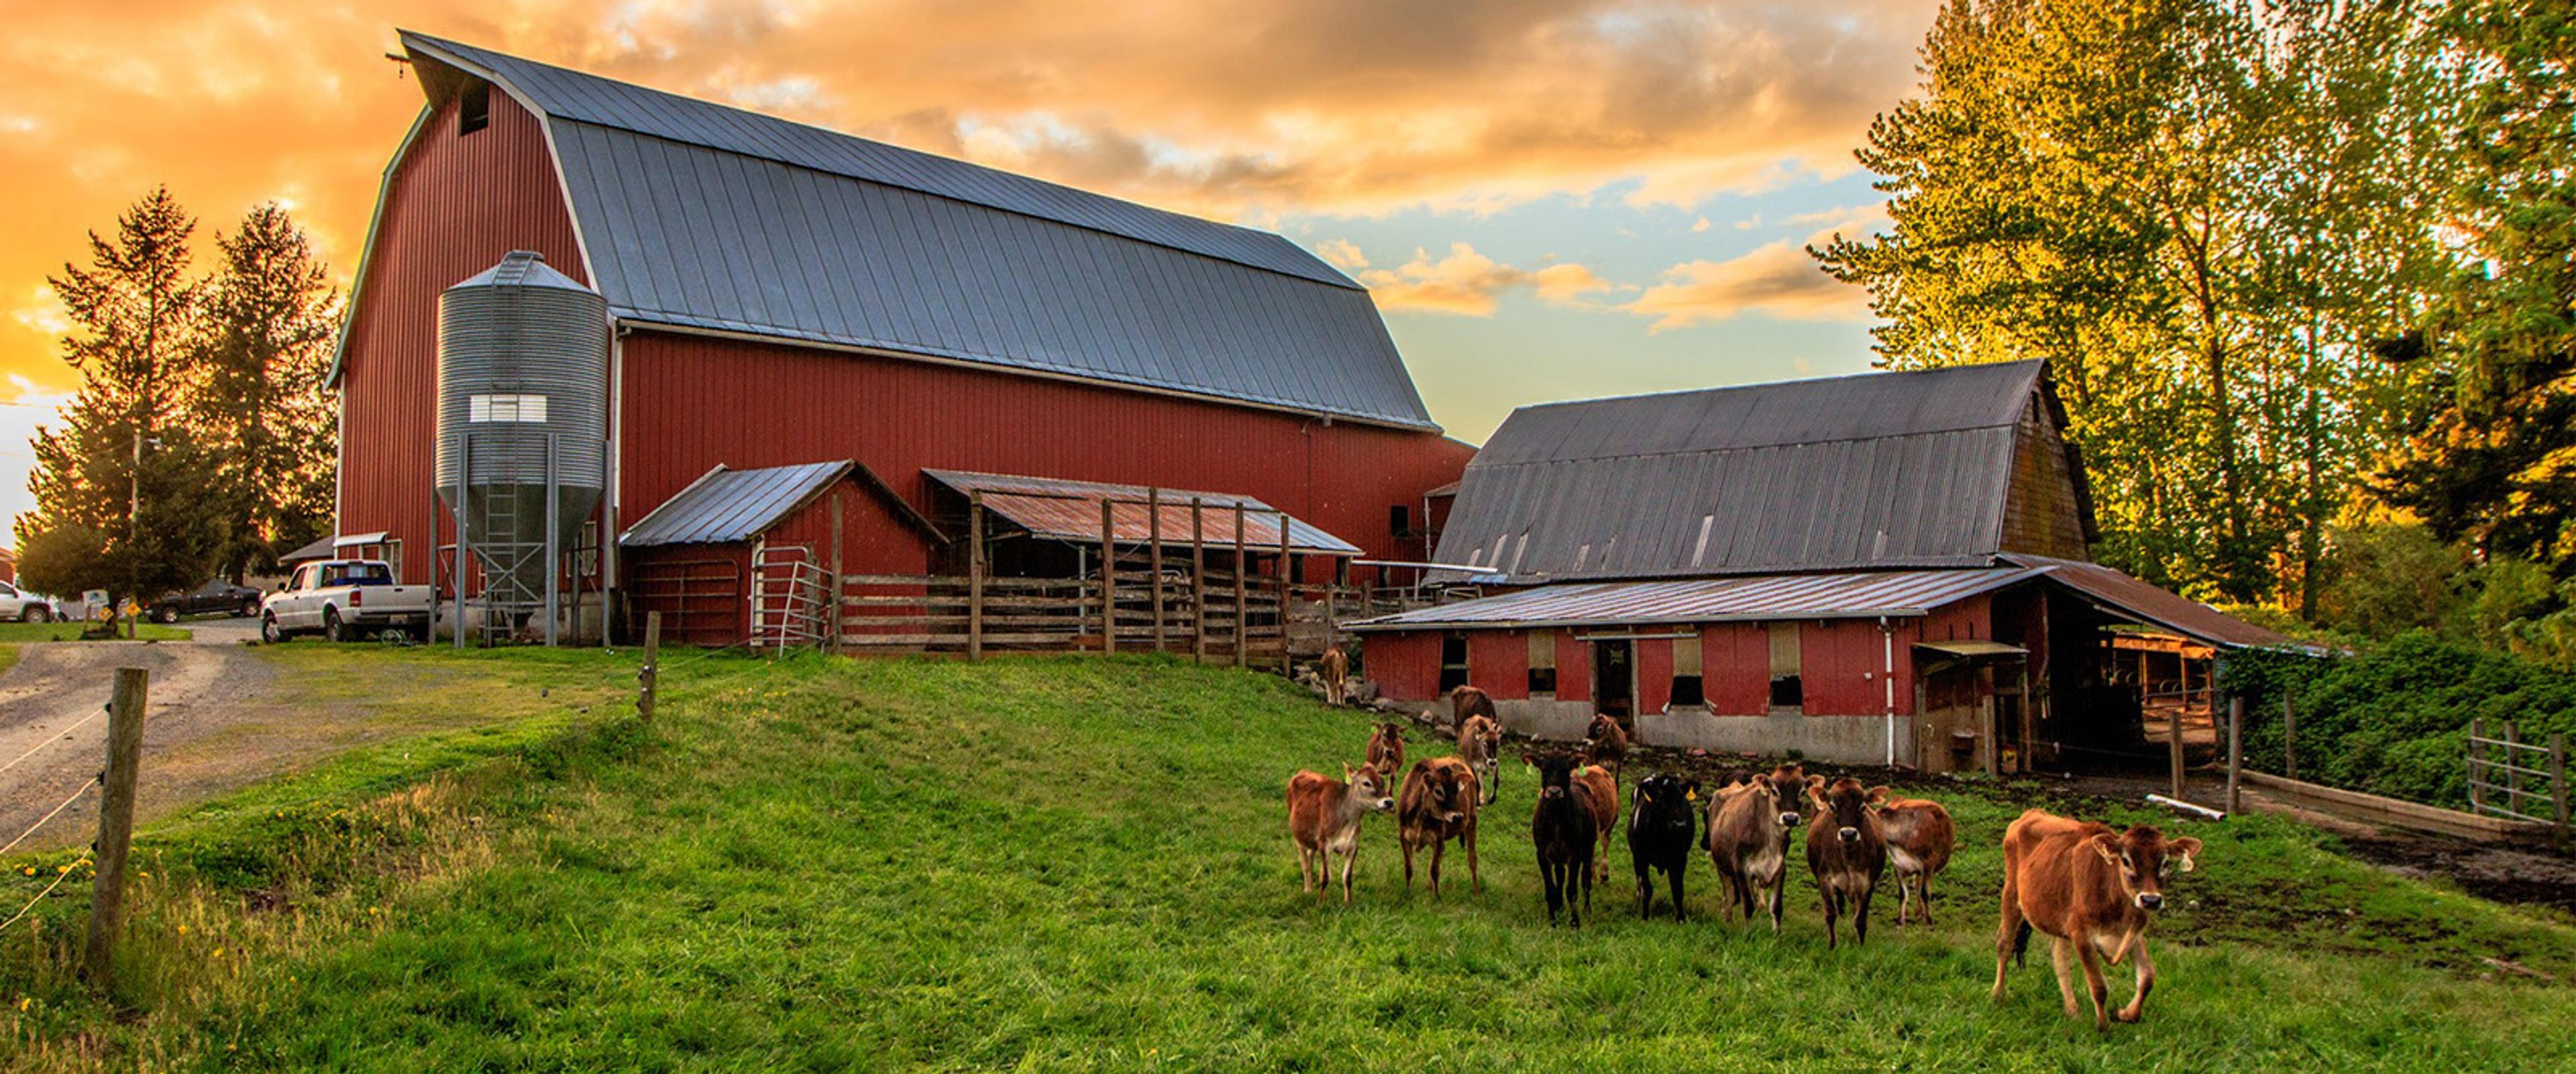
1480 740
1608 743
1748 841
1466 701
1438 804
1604 795
1919 836
1324 817
1661 826
2091 889
1335 670
1845 852
1386 749
1562 830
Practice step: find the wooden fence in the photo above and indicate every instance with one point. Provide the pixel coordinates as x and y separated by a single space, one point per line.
1208 617
2527 776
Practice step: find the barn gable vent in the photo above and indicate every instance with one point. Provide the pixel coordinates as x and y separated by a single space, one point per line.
474 108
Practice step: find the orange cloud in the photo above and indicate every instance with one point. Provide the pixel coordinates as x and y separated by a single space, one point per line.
1467 283
1780 279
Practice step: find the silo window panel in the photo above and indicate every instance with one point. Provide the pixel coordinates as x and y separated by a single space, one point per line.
506 408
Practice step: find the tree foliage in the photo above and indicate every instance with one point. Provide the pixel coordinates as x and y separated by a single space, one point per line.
271 312
2202 212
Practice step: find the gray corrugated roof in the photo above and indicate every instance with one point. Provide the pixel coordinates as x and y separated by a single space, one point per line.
2117 590
727 506
1756 598
697 215
1876 470
1070 510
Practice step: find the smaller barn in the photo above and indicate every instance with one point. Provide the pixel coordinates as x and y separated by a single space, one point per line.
747 554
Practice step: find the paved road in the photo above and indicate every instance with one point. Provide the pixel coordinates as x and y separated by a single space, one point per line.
53 728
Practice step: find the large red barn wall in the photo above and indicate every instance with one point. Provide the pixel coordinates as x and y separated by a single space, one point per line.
456 205
691 402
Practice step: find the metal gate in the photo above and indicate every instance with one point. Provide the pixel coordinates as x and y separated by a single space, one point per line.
789 598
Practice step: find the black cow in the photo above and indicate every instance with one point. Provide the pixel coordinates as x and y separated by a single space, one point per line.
1662 824
1562 829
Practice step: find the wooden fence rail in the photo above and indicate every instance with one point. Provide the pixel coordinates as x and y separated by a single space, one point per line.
2522 772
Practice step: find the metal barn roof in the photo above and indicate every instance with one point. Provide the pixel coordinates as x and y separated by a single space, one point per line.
2118 592
1877 470
727 506
1070 511
1851 595
700 216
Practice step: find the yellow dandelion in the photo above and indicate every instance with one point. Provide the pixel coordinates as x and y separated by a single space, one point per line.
23 1002
219 952
30 870
183 930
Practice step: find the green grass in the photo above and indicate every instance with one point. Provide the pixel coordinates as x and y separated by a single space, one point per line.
63 630
828 864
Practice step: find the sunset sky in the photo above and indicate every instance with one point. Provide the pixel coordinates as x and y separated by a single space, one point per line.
1550 200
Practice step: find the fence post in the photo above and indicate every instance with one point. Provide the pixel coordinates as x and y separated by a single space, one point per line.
2558 780
1198 582
1242 564
2477 752
1287 567
2173 741
115 825
648 679
975 577
2235 750
1108 579
2289 737
1154 562
2512 767
832 584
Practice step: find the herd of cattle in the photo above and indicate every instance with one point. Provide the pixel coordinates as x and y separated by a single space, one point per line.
2090 888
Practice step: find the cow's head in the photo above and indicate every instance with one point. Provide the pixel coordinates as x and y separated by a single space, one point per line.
1555 773
1666 797
1448 788
1773 796
1492 734
1843 803
2144 856
1368 787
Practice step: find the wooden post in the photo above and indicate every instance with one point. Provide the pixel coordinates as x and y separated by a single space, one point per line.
2235 750
2558 780
1108 579
2477 772
1287 568
1242 563
2512 767
1154 562
1994 756
975 577
1198 582
115 825
2173 739
649 679
2289 737
832 586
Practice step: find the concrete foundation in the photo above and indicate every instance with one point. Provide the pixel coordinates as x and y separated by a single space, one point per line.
1838 739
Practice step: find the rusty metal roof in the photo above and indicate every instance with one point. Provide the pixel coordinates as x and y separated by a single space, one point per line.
1879 470
1070 511
2117 592
1848 595
727 506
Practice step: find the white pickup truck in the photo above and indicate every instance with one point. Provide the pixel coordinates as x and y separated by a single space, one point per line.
343 600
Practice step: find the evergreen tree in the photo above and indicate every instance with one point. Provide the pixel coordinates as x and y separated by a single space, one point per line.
270 315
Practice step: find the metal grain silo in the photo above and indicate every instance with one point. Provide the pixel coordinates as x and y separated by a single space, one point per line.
522 425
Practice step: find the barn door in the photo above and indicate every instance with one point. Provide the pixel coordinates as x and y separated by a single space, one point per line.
1614 680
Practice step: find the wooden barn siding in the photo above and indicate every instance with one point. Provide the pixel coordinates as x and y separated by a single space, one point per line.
1573 667
1735 668
1498 663
1654 674
456 205
1405 666
652 574
2039 507
691 402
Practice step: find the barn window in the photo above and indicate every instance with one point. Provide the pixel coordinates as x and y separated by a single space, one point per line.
496 408
474 109
1399 520
1786 690
1453 661
1686 672
1542 663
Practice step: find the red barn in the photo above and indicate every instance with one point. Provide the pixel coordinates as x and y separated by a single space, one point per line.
782 295
1885 568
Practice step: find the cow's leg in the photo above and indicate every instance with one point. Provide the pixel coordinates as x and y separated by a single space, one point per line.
2146 983
1552 874
1923 895
2062 954
1406 845
1833 905
1679 865
1645 887
1438 850
1860 915
1779 894
1305 869
2093 983
1350 860
2007 931
1475 876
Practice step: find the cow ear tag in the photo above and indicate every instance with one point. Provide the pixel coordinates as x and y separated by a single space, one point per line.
1691 795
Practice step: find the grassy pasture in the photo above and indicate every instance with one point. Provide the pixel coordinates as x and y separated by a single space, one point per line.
1071 863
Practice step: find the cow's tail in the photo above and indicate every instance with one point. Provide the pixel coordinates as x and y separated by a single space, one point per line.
2021 941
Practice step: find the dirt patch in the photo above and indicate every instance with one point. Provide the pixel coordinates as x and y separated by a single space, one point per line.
2530 877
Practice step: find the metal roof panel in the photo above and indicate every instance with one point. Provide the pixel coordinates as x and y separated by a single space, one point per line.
1070 511
728 506
1750 598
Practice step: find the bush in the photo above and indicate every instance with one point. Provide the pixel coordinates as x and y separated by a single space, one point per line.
2394 719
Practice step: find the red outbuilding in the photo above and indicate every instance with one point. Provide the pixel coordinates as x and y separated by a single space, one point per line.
784 296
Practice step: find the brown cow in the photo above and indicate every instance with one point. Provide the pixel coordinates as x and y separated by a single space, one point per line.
1480 742
2091 890
1324 817
1845 853
1603 791
1386 749
1466 701
1335 670
1438 804
1608 743
1919 836
1748 841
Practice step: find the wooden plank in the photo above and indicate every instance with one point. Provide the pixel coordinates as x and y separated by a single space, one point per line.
2235 752
1154 557
1108 576
1241 568
975 576
1198 581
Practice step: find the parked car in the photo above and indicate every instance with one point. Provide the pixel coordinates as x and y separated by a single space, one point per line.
20 606
343 600
214 596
